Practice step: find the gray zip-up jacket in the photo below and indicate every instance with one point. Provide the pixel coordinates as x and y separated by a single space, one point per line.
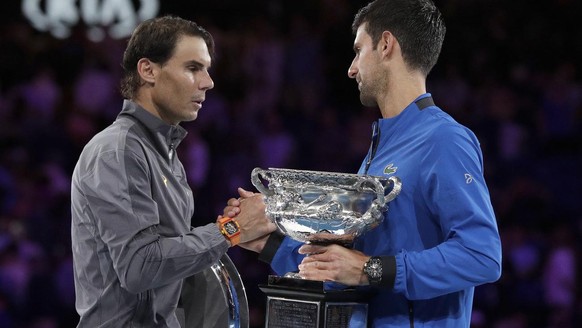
131 236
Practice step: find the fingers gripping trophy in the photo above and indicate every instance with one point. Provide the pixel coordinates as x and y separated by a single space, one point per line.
316 207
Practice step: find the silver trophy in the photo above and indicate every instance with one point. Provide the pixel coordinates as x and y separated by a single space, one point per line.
324 207
214 297
320 208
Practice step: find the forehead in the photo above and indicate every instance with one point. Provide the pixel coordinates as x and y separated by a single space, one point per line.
191 48
362 37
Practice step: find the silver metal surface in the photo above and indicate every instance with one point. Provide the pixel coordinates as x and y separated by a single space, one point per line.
324 207
214 298
233 292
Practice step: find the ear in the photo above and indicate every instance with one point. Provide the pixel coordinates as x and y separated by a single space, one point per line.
386 43
147 70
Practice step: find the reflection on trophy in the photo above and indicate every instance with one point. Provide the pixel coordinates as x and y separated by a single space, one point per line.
214 297
320 207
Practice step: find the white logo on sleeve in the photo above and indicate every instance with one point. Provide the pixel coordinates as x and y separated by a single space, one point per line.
468 178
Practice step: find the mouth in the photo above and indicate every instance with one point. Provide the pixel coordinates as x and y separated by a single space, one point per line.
198 101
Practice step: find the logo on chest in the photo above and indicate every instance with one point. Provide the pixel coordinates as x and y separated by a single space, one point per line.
390 169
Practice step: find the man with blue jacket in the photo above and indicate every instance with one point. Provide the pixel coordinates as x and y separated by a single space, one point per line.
439 238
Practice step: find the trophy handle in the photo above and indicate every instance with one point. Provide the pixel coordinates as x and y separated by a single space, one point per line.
377 187
256 176
380 190
396 188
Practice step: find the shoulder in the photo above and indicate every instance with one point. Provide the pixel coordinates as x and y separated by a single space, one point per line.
446 141
445 129
121 135
116 145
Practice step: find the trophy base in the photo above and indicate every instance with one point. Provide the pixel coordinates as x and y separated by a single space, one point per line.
293 302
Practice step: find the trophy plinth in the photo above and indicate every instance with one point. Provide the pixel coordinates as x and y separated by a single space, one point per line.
302 303
320 208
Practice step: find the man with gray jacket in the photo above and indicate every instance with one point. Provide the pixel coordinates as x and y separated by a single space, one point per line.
131 205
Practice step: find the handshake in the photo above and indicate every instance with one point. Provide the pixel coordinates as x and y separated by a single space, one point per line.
254 226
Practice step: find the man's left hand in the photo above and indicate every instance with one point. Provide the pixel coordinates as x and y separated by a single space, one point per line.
333 263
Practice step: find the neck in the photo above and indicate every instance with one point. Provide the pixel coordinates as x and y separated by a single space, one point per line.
145 101
401 92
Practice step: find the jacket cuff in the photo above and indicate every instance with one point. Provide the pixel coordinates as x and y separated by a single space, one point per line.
271 247
388 272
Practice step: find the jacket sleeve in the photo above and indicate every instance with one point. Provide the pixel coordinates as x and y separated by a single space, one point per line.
454 191
281 253
119 198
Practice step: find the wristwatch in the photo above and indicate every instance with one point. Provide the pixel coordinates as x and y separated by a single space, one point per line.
373 269
230 229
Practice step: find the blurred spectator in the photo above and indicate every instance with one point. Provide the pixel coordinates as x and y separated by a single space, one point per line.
275 144
95 91
561 102
262 64
41 95
560 277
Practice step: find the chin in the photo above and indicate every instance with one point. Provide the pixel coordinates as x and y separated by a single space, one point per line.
190 116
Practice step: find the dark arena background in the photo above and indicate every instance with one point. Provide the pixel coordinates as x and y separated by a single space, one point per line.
509 70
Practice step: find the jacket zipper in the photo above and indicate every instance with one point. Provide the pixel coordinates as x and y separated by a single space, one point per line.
373 145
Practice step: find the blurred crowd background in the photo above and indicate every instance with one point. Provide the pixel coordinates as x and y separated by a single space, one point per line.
509 70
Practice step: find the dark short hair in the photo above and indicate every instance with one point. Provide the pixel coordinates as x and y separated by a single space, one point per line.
155 39
417 25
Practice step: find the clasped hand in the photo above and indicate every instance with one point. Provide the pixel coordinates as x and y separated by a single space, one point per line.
255 226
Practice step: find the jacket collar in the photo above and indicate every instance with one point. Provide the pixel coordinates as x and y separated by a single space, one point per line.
163 133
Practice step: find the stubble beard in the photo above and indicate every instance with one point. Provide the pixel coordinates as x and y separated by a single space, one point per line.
367 98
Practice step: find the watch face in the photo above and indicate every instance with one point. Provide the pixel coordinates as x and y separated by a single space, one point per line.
230 228
374 268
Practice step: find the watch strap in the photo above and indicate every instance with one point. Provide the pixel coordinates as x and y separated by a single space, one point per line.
234 237
388 272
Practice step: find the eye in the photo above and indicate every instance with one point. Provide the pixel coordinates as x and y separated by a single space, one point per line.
194 66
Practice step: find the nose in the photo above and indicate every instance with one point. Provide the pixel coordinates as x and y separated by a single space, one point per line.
206 83
352 70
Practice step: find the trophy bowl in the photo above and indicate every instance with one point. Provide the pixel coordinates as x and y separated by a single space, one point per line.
324 207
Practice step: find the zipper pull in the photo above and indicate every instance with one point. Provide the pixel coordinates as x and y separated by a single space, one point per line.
171 152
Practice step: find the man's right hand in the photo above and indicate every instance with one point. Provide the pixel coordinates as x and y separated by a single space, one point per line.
249 211
233 205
